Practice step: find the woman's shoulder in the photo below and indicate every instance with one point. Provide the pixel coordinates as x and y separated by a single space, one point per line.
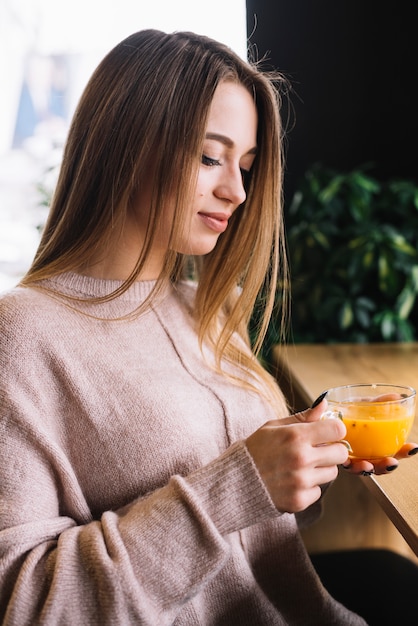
22 309
19 298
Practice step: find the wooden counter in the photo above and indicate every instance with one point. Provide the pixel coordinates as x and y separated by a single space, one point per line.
359 511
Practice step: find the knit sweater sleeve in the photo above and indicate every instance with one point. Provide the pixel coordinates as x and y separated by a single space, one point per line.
143 561
62 564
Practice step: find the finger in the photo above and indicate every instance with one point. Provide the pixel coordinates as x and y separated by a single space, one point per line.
319 400
313 414
329 431
386 465
300 500
382 466
331 454
308 415
361 467
325 475
407 450
386 397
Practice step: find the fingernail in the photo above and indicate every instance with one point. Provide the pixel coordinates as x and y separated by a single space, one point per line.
346 467
319 399
391 468
366 473
413 451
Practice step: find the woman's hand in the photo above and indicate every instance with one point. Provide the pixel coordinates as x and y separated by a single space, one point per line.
382 466
387 464
296 455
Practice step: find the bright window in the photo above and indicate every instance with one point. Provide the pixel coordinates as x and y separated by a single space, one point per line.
48 50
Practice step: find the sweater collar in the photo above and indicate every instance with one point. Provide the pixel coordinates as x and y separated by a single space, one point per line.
71 283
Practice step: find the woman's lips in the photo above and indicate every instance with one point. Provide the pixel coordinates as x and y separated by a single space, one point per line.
217 222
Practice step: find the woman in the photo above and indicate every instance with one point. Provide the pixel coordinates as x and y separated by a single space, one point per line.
150 473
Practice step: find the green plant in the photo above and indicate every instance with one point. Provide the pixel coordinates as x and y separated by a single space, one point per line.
353 252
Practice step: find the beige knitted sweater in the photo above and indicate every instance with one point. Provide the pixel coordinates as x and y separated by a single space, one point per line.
127 495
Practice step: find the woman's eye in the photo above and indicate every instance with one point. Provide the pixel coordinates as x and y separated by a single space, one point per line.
209 162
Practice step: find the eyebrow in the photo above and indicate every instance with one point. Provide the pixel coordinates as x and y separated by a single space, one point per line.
227 141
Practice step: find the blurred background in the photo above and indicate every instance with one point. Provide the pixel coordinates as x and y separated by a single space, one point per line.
353 69
351 177
48 50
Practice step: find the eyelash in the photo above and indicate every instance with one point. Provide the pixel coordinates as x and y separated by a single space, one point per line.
209 162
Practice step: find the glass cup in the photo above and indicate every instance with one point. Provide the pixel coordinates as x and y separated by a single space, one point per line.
378 417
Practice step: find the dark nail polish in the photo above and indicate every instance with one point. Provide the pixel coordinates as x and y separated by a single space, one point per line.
319 399
366 473
413 451
391 468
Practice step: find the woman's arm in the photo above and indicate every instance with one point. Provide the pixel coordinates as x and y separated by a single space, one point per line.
140 563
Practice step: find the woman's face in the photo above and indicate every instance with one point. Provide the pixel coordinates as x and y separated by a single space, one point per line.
228 154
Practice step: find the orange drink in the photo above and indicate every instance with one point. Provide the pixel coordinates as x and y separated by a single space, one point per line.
378 417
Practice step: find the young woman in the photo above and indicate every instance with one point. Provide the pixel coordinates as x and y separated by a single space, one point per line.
149 471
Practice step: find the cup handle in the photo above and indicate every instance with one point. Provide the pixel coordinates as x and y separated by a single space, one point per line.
332 415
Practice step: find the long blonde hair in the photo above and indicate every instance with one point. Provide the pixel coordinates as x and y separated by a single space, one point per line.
149 100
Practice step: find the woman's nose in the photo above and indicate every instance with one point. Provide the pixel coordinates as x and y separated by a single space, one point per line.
231 187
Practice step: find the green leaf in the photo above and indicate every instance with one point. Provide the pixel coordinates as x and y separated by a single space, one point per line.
346 315
363 317
405 302
405 331
363 181
327 194
400 243
387 326
320 238
367 259
414 277
383 271
366 303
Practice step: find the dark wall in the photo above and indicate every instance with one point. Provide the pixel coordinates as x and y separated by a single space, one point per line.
353 67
